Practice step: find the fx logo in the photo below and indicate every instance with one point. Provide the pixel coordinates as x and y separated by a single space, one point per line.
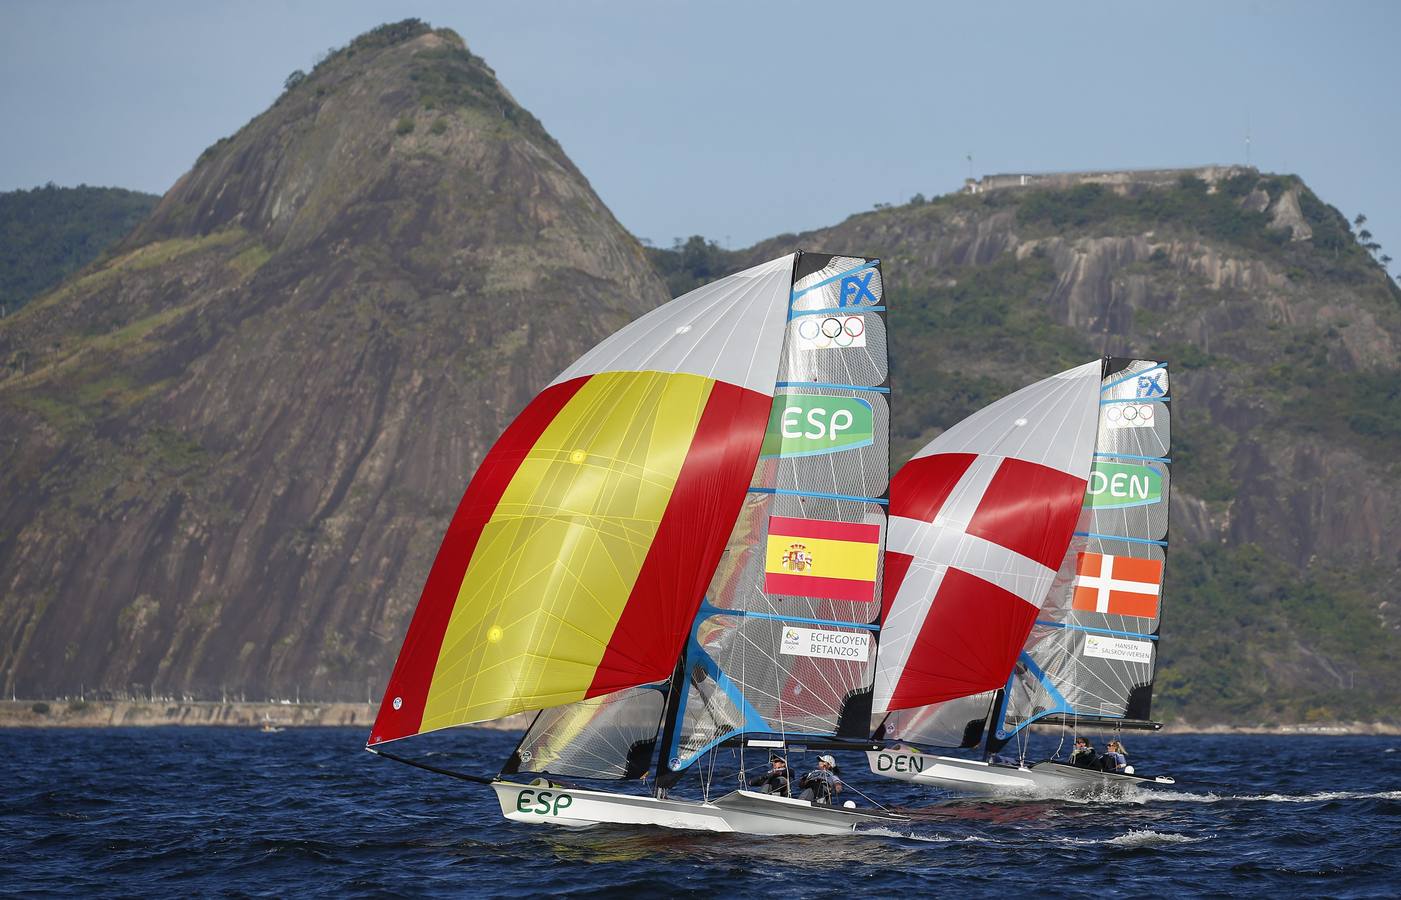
856 288
1151 385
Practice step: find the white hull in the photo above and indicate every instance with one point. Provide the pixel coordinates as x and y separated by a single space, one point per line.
743 812
968 776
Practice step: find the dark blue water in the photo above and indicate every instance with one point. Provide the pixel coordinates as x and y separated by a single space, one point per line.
204 810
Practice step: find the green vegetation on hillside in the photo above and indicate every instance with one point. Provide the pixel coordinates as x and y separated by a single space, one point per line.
1236 617
1218 215
993 313
688 264
50 232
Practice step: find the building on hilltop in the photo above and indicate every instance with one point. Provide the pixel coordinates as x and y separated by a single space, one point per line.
1120 179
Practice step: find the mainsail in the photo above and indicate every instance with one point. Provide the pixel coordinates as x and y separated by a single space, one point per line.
980 522
678 540
1092 653
785 643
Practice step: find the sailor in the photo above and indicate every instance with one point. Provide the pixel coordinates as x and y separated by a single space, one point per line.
775 780
1084 755
1114 758
823 783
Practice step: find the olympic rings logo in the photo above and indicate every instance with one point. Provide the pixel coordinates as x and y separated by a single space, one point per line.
1129 415
820 333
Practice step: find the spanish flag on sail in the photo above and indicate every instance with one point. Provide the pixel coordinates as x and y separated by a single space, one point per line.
814 558
579 555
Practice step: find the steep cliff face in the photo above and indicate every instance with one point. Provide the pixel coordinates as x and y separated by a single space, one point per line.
1283 335
236 442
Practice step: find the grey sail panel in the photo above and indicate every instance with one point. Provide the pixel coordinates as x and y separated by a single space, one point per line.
612 736
785 642
1093 651
952 723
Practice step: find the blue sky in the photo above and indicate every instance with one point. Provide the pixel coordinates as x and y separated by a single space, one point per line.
744 120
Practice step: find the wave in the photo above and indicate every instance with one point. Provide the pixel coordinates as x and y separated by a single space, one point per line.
1140 838
1154 839
1146 796
882 831
1323 796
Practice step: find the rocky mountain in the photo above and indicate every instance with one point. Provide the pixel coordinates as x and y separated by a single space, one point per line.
50 232
232 445
1284 335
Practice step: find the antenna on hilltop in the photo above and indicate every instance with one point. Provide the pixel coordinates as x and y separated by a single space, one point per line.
1247 138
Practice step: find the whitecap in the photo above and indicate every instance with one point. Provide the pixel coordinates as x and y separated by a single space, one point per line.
926 838
1153 839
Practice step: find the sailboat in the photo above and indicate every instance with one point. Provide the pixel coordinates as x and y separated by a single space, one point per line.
675 548
1024 582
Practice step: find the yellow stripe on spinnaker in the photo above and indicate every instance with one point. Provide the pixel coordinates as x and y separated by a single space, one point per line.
556 563
829 558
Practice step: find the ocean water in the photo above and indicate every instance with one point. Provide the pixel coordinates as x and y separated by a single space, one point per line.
201 811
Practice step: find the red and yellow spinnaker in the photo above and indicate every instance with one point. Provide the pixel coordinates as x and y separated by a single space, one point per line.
579 555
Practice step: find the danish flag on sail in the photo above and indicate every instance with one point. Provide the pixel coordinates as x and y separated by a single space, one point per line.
979 521
1117 585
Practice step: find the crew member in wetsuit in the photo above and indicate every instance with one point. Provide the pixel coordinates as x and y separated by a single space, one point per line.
822 784
1084 755
775 780
1114 758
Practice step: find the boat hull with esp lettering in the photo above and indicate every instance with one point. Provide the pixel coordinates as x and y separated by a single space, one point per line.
743 812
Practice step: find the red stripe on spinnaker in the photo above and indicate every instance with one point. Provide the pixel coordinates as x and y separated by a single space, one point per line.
967 644
689 541
919 489
851 590
896 565
1030 509
418 658
820 529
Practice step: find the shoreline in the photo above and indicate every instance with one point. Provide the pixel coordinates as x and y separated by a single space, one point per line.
196 713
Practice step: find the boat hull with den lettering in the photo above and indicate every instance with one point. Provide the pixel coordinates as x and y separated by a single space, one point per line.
970 776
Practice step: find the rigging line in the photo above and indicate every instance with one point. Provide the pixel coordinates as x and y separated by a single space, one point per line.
787 492
1075 626
1132 376
794 295
1107 455
1120 537
710 776
476 779
844 310
822 384
864 796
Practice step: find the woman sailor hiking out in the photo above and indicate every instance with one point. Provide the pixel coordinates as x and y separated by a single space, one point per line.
822 784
